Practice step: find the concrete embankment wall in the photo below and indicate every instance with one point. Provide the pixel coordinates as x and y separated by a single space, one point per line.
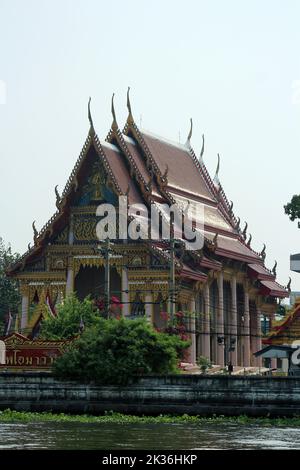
203 395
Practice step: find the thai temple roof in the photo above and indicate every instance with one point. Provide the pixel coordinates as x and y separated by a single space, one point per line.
286 331
151 169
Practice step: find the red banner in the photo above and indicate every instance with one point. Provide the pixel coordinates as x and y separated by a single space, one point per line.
25 354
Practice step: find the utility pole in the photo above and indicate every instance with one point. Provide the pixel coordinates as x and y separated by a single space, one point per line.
105 252
172 300
107 277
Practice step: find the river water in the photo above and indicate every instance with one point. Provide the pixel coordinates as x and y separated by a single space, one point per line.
145 436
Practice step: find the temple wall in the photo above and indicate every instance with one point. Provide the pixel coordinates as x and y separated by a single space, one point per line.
194 394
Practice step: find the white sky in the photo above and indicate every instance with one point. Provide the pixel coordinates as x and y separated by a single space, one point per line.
231 65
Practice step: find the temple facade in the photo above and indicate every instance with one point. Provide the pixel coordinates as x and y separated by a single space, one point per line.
224 288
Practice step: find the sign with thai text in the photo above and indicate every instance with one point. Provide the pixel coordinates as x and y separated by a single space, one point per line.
23 353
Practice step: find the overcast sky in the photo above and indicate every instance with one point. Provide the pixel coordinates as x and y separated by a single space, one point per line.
234 66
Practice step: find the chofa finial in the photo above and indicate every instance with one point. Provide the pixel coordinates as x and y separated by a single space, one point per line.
165 175
249 241
58 198
190 132
130 116
114 124
202 149
92 130
262 254
237 227
216 177
245 231
215 240
274 268
289 284
35 232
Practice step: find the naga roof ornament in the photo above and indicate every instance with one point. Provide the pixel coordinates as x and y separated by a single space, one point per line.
245 231
262 254
190 132
92 129
274 268
202 148
216 177
215 240
58 197
114 123
35 232
249 241
165 175
130 116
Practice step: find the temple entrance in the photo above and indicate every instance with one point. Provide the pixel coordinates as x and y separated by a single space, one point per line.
90 280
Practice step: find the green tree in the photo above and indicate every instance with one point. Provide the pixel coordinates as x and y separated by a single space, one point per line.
72 316
112 351
292 209
9 289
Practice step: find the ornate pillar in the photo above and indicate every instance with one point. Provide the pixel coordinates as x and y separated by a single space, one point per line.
220 321
70 277
258 336
125 292
192 328
206 324
273 360
24 309
246 331
233 322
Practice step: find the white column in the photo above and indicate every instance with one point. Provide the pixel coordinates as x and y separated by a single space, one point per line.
258 336
149 307
192 348
70 279
273 360
220 321
233 321
24 314
125 292
206 326
246 331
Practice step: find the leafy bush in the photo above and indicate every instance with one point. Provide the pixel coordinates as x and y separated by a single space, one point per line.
203 363
111 351
72 316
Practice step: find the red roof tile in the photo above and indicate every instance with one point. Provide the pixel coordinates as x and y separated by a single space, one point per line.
182 172
117 164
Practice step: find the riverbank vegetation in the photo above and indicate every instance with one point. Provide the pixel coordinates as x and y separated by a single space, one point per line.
10 416
109 351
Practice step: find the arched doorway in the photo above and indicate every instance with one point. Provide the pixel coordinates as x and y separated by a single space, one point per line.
90 280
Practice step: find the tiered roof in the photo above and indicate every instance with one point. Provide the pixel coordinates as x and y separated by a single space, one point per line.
151 169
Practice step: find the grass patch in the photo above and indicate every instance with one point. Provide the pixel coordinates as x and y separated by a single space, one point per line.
10 416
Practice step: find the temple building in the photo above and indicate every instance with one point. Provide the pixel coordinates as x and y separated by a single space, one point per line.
224 287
